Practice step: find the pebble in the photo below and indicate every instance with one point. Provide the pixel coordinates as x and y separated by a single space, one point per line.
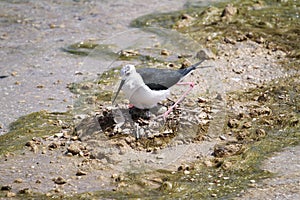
10 194
222 137
247 125
165 52
166 185
25 191
229 10
205 54
59 180
213 195
186 172
74 148
18 180
81 173
6 187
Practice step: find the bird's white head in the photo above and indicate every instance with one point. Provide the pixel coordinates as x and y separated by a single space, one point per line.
127 70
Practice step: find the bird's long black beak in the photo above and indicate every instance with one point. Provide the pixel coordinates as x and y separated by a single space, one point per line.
120 87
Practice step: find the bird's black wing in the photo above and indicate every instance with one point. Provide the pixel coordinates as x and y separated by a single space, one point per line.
162 79
159 79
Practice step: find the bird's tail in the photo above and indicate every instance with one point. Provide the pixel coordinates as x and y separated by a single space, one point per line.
185 71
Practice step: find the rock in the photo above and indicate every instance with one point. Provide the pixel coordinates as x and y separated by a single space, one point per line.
74 148
229 40
260 132
227 150
18 180
229 11
128 53
6 187
59 180
25 191
81 173
233 123
205 54
166 186
213 195
164 52
38 181
222 137
186 172
10 194
53 145
247 125
238 70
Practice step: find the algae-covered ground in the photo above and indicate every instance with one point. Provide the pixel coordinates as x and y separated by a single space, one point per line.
254 47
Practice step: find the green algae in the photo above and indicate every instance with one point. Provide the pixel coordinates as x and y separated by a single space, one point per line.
273 23
36 124
88 48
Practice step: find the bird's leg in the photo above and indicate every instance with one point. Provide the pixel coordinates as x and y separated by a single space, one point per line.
191 84
130 106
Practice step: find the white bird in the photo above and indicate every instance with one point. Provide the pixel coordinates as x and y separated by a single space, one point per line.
145 87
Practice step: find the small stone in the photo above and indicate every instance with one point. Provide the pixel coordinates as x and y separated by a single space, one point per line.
59 180
59 135
6 187
162 110
40 86
53 145
74 148
247 125
202 100
166 185
229 11
213 195
222 137
205 54
25 191
14 73
233 123
186 172
38 181
78 73
261 132
165 52
10 194
229 40
18 180
81 173
238 70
